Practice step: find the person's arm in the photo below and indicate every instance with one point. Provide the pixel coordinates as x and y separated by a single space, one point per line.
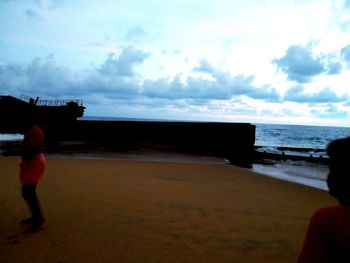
317 242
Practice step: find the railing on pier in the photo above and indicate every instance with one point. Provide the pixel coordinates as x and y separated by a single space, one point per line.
50 102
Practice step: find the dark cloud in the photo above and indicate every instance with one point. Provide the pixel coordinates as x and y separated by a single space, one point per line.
299 64
298 94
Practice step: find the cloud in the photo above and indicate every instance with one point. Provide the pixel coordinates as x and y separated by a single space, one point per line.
299 64
333 63
110 86
32 14
116 83
116 78
39 77
345 53
205 66
135 33
334 68
302 65
298 94
221 86
124 64
330 112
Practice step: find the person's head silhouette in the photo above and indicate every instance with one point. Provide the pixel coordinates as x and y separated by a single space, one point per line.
327 237
339 170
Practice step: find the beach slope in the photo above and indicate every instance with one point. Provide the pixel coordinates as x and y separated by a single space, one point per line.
138 211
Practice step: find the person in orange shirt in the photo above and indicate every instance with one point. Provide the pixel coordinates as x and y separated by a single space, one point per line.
328 236
32 168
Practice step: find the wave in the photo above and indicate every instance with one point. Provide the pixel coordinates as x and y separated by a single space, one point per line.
292 151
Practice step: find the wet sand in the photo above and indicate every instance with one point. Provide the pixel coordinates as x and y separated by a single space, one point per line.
152 211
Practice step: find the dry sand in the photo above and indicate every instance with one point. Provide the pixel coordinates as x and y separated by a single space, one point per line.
138 211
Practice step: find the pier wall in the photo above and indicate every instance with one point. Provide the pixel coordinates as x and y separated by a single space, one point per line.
234 141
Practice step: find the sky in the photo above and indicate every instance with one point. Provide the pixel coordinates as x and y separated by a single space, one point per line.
257 61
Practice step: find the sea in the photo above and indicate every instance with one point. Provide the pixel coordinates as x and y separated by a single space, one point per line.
299 140
303 140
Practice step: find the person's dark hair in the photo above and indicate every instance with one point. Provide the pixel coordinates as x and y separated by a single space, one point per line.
339 169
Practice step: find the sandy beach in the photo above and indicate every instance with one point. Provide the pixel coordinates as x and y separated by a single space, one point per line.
151 211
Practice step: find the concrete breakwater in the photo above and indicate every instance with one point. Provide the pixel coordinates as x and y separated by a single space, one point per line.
234 141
